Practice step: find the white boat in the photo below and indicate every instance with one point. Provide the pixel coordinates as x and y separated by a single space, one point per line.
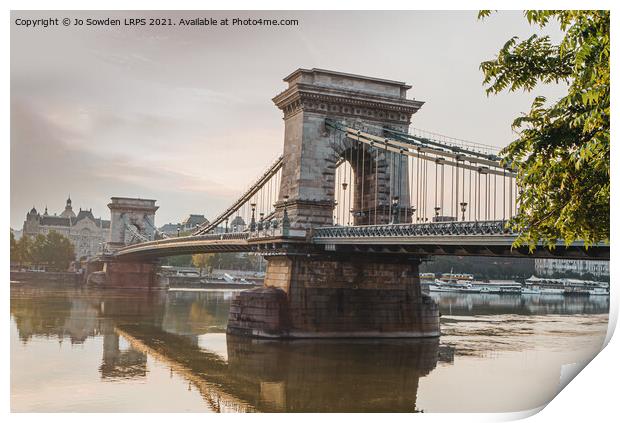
542 291
488 288
598 291
498 287
458 287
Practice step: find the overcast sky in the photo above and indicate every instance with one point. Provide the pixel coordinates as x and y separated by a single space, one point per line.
184 115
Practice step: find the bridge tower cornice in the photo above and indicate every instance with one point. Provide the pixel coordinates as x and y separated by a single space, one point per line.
347 95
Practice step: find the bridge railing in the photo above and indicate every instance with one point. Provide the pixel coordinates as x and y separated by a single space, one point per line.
231 236
494 227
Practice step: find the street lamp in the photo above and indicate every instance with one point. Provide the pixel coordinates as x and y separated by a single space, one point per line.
178 231
413 210
437 210
253 219
463 209
394 209
260 222
226 228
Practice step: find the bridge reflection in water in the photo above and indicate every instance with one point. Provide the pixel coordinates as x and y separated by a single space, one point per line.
252 375
142 334
296 376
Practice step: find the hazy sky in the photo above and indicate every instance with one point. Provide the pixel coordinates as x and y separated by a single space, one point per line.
184 115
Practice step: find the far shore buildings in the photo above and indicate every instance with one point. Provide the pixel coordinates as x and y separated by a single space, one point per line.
189 224
193 221
551 267
87 233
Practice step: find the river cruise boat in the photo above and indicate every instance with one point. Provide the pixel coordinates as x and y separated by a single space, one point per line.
499 287
458 287
456 277
454 282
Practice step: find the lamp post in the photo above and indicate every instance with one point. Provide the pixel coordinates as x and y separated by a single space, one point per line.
178 231
413 210
463 209
395 209
253 219
260 222
226 228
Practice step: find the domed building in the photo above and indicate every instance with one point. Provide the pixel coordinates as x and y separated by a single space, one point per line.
87 233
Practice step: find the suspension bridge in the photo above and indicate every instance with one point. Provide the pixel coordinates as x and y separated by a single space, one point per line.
347 212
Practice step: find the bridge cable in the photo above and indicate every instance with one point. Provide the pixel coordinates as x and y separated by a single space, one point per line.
417 189
351 185
363 175
391 182
510 194
451 189
436 186
410 166
400 185
376 181
442 188
425 189
456 202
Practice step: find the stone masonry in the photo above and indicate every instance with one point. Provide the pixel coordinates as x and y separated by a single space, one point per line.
336 297
311 151
137 213
319 294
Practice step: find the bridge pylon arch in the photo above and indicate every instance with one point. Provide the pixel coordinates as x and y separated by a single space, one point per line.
311 149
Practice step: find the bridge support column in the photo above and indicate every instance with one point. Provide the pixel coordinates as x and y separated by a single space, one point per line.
125 274
329 296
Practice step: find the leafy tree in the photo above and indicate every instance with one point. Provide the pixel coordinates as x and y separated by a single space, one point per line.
178 261
561 155
54 250
14 255
202 261
22 254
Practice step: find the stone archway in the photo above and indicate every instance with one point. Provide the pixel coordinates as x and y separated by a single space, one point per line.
311 152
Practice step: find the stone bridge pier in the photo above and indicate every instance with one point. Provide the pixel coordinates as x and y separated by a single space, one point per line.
316 293
133 221
336 296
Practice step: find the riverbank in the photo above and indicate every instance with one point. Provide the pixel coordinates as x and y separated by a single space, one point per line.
193 282
69 278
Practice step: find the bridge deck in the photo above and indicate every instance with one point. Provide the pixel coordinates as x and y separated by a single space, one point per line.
484 238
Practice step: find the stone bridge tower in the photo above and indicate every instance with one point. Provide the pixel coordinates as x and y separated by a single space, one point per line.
311 151
133 220
312 293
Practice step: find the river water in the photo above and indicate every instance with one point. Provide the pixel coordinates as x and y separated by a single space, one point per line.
79 350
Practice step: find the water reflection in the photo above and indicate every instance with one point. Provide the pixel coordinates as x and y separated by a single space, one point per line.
141 333
484 304
298 375
253 375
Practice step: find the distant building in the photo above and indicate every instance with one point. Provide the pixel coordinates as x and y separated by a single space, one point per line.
170 229
86 232
193 221
190 223
549 267
237 224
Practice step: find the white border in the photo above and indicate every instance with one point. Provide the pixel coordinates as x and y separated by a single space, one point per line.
590 397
